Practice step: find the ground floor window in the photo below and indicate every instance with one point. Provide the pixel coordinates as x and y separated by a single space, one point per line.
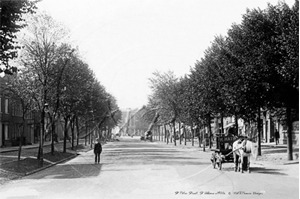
6 137
14 131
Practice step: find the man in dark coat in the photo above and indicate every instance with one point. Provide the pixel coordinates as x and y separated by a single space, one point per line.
97 151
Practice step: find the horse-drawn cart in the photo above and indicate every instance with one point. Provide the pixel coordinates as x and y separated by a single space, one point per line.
223 152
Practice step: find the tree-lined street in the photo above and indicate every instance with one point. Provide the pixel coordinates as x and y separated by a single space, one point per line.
58 100
131 168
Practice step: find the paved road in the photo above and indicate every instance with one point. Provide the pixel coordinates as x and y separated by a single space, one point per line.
132 168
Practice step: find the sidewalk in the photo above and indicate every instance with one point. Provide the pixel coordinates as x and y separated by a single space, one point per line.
271 153
36 145
11 168
279 152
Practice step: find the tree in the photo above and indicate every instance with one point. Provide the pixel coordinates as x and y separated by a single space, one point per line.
165 97
188 107
68 58
266 42
11 22
201 97
76 94
44 48
284 92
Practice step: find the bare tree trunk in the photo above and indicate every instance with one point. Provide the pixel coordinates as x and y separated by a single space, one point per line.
193 136
209 130
89 133
52 139
222 123
77 127
158 130
21 140
199 135
204 139
179 131
258 132
65 134
91 138
72 123
184 131
289 133
237 124
41 146
171 136
174 132
167 134
85 137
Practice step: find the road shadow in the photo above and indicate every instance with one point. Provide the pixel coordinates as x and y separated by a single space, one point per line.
258 170
69 171
264 170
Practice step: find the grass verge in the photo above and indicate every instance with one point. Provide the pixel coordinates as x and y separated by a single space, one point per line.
17 169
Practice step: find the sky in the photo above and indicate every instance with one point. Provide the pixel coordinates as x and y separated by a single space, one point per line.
125 41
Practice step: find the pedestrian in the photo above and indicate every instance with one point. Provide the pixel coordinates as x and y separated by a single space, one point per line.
277 136
97 151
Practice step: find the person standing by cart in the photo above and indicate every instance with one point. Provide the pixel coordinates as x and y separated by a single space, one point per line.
97 151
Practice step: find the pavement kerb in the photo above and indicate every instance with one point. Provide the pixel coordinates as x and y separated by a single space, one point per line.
291 162
20 175
53 164
50 165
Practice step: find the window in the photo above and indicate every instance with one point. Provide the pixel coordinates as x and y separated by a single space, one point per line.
18 110
29 115
6 131
6 106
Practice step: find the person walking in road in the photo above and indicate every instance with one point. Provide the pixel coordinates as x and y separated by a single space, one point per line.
277 136
97 151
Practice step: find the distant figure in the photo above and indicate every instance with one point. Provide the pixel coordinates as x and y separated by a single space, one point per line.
97 151
277 136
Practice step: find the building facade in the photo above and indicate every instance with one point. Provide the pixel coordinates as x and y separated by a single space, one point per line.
11 120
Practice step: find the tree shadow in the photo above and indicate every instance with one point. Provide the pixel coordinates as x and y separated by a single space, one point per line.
69 171
257 170
264 170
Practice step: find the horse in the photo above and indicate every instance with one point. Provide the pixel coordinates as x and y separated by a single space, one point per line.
217 159
243 148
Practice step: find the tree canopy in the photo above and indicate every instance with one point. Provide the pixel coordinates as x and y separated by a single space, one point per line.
11 22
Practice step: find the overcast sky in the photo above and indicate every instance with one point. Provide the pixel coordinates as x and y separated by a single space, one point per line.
125 41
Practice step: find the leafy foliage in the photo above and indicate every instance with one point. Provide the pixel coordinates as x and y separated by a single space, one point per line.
11 22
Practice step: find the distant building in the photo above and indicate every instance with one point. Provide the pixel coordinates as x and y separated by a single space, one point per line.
132 123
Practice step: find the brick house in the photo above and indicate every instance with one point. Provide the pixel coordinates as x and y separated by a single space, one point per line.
11 122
